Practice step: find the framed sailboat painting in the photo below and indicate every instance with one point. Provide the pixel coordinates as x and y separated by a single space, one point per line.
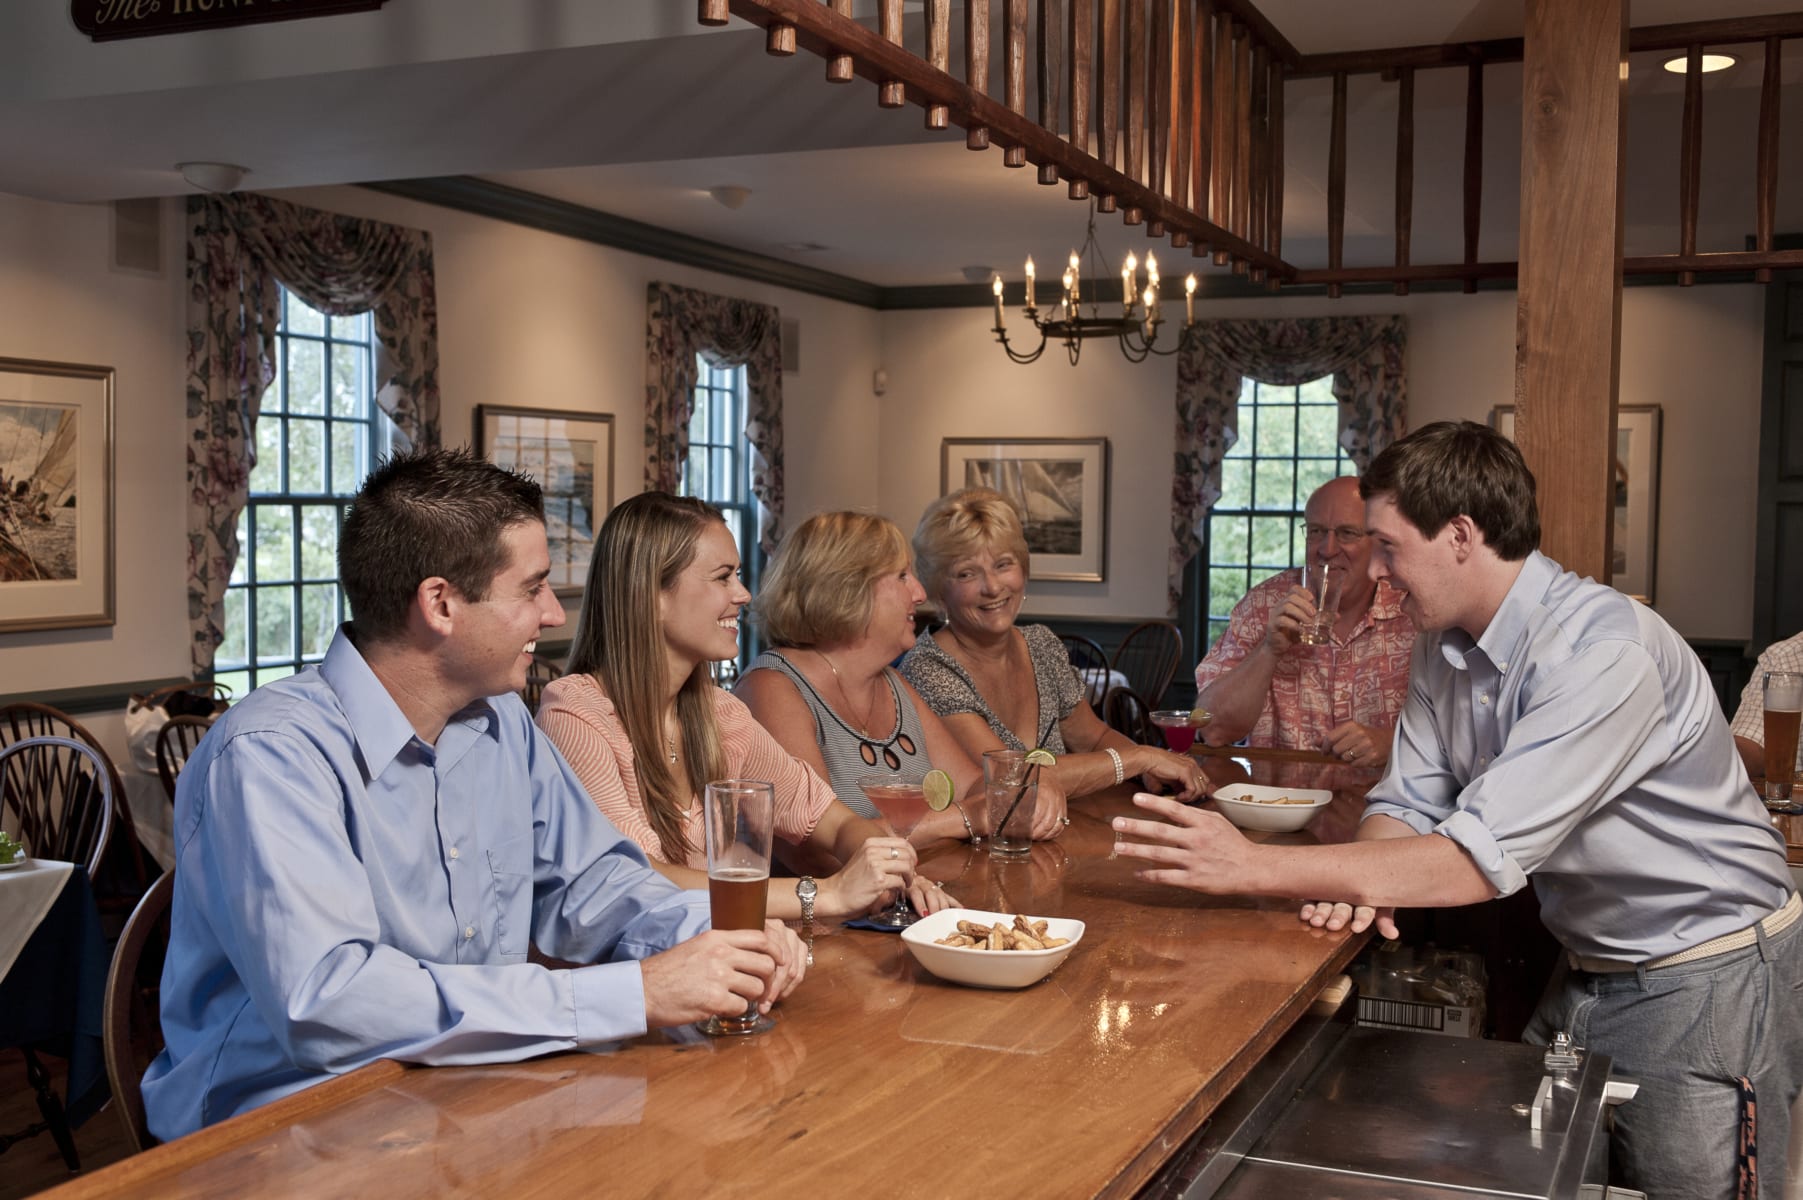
56 495
1060 488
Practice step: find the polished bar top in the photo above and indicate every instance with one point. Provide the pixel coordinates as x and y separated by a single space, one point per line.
1791 827
878 1078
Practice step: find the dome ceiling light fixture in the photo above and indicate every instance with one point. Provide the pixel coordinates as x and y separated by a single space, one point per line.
1712 61
213 176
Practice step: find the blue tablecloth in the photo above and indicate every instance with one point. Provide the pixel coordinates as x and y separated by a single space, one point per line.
53 997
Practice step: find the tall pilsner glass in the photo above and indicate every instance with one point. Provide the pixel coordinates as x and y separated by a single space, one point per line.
1783 709
740 815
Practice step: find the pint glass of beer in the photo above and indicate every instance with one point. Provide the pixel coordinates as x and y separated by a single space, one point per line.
1783 708
740 815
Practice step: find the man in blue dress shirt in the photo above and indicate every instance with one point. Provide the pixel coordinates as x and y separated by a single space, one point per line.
365 850
1558 729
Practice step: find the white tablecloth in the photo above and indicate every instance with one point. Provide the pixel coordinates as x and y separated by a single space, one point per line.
1097 682
26 894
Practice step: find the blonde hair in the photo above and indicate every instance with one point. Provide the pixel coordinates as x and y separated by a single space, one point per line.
644 545
961 524
818 587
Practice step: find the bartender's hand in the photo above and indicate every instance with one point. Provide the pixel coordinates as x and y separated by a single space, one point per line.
1335 915
1285 631
1191 848
1359 745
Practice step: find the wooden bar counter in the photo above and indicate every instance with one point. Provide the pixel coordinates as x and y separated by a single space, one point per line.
878 1078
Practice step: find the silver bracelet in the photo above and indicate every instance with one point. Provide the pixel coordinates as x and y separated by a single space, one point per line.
970 831
1120 771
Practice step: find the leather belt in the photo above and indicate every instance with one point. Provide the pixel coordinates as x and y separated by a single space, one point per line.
1775 922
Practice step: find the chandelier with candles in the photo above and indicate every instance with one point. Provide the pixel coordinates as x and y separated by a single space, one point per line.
1135 329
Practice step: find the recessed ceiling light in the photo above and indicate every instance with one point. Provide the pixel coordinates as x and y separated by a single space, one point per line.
1680 63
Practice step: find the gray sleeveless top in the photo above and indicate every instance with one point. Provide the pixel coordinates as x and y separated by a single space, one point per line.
847 752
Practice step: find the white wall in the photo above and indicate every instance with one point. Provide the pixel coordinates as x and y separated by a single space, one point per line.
1696 352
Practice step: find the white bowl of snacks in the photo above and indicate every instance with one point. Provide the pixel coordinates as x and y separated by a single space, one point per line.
1271 809
1027 949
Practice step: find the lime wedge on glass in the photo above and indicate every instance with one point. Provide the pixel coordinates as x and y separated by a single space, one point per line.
1199 717
1042 757
937 786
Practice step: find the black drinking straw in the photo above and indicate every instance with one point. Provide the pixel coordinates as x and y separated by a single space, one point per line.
1032 769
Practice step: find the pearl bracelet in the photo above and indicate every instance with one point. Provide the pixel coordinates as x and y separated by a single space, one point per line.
1120 771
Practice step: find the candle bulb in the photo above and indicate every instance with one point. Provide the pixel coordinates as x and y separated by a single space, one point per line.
1151 314
1029 285
1189 299
997 286
1127 270
1076 282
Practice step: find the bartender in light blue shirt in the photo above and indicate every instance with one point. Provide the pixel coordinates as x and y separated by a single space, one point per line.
366 849
1556 728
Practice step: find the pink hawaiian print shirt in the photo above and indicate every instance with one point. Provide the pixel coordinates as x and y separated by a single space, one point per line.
1363 678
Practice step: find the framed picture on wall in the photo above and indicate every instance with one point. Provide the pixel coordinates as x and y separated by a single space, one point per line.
1635 539
571 454
1060 486
56 495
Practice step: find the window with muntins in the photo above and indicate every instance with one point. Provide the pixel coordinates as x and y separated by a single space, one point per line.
1288 446
718 470
318 435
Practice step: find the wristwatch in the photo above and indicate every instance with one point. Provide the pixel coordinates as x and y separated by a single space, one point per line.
805 891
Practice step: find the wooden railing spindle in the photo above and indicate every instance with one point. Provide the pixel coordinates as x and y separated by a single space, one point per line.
1405 169
1242 165
779 40
1049 65
1767 185
939 55
1134 167
1014 71
1203 161
1158 104
1082 54
1336 182
839 66
1220 203
1109 114
1261 149
1183 96
1474 164
890 93
712 12
1690 159
976 63
1276 228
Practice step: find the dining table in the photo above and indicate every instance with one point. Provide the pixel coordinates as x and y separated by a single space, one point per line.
878 1078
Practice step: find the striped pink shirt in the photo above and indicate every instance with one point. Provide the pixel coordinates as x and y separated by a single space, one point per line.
580 720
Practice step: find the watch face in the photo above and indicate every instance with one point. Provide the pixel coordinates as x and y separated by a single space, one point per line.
807 888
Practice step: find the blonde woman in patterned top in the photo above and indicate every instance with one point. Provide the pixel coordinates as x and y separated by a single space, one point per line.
644 728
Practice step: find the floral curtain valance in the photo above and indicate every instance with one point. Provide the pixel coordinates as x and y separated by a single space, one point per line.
1363 354
682 323
240 248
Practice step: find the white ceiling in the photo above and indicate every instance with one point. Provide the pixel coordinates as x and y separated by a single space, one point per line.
639 116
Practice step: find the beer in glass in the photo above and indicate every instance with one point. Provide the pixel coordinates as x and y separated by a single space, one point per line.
740 816
1783 708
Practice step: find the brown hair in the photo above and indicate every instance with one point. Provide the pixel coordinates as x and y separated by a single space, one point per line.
423 514
818 587
644 545
963 523
1451 468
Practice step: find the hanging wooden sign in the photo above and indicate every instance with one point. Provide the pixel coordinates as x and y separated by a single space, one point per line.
104 20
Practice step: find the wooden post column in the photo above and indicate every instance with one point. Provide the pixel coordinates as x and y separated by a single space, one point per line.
1568 307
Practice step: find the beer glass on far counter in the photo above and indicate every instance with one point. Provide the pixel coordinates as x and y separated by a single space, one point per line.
740 815
1783 709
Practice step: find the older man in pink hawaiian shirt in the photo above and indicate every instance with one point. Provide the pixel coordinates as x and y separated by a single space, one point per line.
1261 683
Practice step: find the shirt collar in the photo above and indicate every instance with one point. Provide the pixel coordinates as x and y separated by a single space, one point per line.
377 723
1509 627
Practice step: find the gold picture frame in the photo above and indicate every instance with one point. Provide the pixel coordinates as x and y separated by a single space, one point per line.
571 454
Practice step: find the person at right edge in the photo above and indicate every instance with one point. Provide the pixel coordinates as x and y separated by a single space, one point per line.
1557 729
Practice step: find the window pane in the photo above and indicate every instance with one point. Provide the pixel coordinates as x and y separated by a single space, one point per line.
1225 587
271 674
1215 630
232 650
735 521
319 619
1236 484
1227 539
266 476
1277 428
1259 576
319 542
694 476
1320 430
349 457
1248 431
274 527
1270 542
302 318
306 377
1275 483
306 457
237 681
1311 473
349 370
275 625
1317 391
351 329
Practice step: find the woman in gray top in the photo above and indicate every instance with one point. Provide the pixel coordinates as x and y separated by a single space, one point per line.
998 685
838 603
